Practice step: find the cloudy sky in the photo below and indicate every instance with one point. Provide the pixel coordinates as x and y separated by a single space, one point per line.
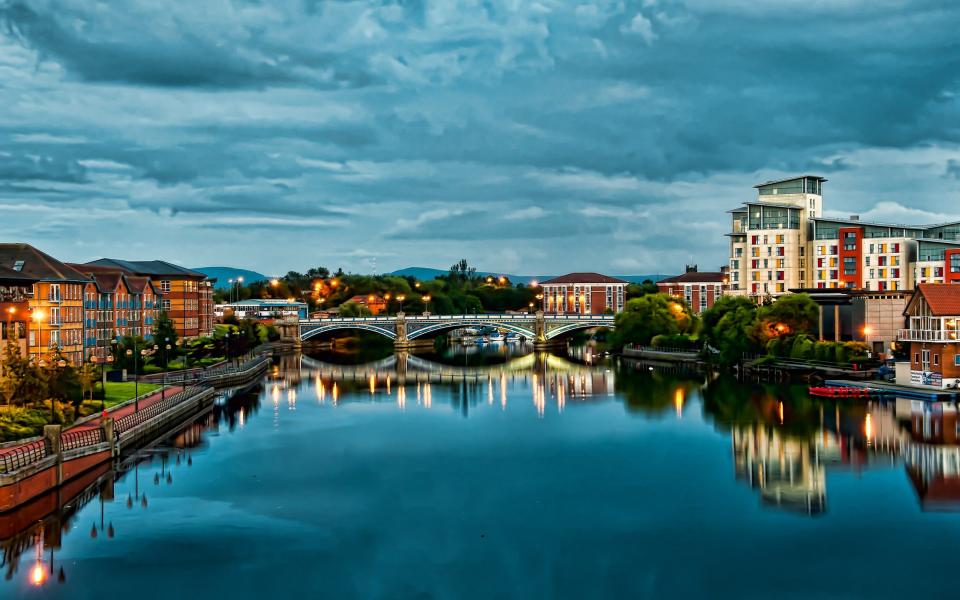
529 137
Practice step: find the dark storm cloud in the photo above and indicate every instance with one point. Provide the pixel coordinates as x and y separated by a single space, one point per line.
385 124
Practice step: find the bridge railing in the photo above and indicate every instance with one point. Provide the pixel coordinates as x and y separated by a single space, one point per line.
465 317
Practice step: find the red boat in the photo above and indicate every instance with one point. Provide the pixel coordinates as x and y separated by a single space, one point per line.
839 392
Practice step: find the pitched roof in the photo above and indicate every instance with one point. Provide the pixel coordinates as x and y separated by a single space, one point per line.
695 277
583 278
37 264
942 298
138 284
11 277
148 267
105 279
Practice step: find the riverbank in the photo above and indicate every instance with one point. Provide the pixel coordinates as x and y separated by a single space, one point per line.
34 466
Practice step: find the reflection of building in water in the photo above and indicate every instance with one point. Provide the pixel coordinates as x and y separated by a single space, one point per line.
788 471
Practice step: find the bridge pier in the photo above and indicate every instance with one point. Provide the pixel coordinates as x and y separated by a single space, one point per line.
290 332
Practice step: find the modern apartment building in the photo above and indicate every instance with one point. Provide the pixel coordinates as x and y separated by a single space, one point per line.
848 253
583 293
782 242
769 249
186 296
56 306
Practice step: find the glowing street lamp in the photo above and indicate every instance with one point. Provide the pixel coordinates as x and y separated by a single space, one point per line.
38 316
400 299
426 301
274 282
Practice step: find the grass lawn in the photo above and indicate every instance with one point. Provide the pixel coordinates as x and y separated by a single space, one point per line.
121 391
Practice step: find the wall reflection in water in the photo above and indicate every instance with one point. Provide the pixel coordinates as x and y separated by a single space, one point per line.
32 536
785 443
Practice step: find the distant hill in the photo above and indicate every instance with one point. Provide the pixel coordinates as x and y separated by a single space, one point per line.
224 274
426 273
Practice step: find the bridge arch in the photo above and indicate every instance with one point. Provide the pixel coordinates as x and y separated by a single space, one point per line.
449 326
562 330
346 326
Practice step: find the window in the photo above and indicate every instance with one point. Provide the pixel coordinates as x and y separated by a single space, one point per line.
165 286
956 360
955 263
849 241
936 360
166 304
849 265
54 292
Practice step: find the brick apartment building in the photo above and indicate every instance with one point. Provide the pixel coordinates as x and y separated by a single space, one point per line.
186 296
583 293
700 289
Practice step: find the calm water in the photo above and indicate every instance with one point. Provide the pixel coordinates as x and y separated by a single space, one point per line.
511 475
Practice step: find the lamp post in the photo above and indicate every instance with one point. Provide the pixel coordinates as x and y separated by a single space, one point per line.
540 301
38 316
400 299
166 350
426 302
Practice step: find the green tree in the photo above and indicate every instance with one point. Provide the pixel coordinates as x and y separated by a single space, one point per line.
649 316
21 383
354 309
788 316
727 327
164 332
636 290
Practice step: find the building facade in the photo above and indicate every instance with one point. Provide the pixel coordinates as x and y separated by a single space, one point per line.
783 241
263 309
933 314
116 305
583 293
16 289
769 237
186 296
57 312
700 289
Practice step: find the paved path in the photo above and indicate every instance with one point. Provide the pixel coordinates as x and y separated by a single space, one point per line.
115 413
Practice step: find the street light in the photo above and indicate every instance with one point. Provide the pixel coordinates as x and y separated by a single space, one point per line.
166 365
38 316
400 299
426 302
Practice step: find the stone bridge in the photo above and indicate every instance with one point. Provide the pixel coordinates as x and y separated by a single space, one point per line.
542 329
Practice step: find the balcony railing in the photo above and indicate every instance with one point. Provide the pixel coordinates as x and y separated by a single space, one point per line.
927 335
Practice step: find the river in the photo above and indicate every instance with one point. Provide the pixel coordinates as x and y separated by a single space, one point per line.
501 473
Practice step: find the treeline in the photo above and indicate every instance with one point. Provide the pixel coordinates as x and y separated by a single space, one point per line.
735 326
460 291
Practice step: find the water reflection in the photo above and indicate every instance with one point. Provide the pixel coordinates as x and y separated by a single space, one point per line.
777 441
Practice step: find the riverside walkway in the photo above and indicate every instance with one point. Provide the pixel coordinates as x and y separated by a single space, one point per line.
31 466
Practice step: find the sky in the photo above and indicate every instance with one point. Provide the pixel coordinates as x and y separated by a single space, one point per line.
527 137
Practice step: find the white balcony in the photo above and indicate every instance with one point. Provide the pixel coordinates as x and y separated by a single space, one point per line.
927 335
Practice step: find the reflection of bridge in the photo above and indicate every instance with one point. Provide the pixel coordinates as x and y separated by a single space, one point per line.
542 329
402 367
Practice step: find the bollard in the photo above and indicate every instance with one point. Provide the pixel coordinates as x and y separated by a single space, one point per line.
106 425
51 435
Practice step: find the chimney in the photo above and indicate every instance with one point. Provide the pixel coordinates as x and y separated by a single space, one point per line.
854 217
691 268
